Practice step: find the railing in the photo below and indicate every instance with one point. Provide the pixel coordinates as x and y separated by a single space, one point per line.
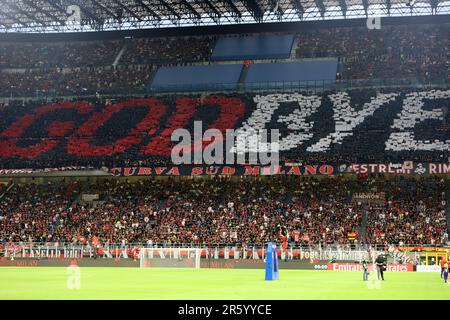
350 252
310 86
306 86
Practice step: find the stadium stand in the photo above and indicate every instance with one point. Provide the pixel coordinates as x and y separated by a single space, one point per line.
224 211
318 70
392 52
419 218
196 77
385 125
417 53
79 81
47 55
253 47
167 51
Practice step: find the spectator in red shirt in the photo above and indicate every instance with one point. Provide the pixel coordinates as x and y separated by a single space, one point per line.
443 262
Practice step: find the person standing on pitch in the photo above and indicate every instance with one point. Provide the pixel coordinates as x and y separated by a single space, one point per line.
443 262
380 266
445 272
365 266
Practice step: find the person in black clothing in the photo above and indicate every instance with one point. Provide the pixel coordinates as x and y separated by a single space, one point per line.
381 266
365 266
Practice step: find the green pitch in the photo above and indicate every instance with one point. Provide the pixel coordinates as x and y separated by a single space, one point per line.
134 283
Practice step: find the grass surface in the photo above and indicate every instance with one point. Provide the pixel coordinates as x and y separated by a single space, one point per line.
135 283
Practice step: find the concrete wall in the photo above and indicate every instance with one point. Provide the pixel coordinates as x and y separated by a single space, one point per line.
196 77
314 70
253 47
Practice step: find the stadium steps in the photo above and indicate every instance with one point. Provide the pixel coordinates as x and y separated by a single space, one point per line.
340 67
152 76
119 55
76 199
7 189
363 226
243 74
294 47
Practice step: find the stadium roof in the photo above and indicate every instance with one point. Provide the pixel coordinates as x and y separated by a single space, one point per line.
90 15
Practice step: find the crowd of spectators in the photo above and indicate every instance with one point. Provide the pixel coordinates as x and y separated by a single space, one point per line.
49 55
168 51
418 52
28 83
224 211
415 212
77 81
393 52
83 68
119 80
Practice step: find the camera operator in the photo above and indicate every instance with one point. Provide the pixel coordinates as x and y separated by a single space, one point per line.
381 266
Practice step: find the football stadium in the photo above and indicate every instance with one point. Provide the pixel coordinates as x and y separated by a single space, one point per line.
224 150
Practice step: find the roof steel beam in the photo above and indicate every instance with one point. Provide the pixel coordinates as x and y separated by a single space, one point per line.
14 18
131 12
48 14
34 19
148 9
211 10
232 9
109 12
366 6
343 6
320 5
191 9
298 8
254 9
170 9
